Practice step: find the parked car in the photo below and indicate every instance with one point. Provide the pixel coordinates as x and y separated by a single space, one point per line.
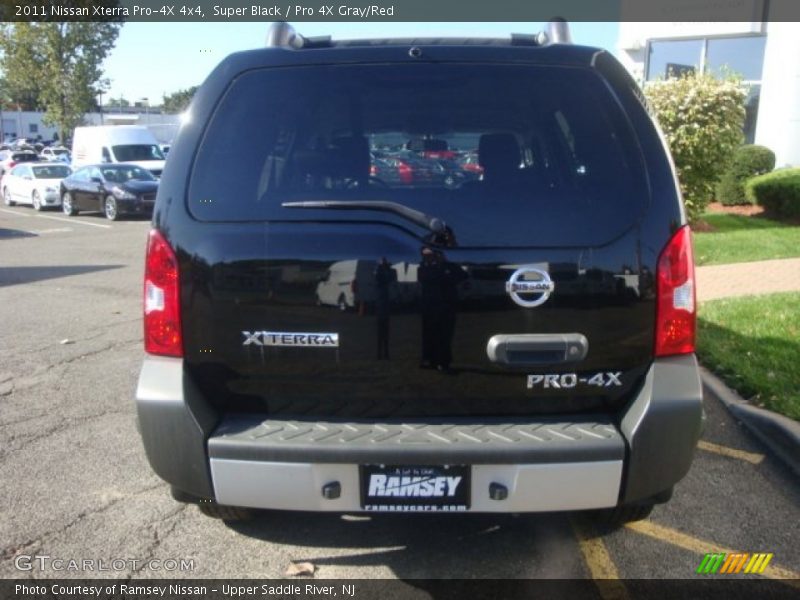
11 158
469 163
567 396
112 189
55 153
36 184
414 170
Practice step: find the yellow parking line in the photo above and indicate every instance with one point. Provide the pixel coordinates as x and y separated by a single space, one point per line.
750 457
598 560
698 546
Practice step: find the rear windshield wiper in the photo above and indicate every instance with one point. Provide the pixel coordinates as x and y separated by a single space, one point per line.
433 224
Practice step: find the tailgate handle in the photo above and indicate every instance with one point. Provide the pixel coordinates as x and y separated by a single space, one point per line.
536 348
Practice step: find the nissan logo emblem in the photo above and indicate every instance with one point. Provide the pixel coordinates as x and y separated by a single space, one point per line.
529 287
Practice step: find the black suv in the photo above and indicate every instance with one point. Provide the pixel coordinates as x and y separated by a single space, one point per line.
319 338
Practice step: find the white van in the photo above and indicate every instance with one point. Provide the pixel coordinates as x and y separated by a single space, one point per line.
117 143
349 283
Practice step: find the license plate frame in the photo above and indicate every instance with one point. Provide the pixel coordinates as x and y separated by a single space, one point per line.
415 488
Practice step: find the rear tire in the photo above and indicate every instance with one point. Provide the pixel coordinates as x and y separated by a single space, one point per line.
227 513
66 205
211 509
610 519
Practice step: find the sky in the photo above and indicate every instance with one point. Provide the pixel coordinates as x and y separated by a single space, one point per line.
153 59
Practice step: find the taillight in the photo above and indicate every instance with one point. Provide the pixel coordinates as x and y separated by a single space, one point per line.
373 171
675 297
162 313
12 164
405 172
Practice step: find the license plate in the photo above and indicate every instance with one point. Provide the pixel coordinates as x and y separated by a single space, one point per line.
390 488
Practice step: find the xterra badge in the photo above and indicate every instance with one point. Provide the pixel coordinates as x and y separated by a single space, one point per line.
283 338
570 380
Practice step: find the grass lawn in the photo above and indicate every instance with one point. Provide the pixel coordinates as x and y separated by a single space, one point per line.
753 343
741 239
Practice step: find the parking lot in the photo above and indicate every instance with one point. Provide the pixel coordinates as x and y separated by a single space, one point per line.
77 484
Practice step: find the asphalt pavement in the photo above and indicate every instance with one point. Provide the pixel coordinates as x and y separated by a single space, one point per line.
76 483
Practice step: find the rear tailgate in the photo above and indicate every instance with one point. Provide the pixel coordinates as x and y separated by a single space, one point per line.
365 312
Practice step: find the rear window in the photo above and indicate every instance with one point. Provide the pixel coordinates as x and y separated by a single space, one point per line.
506 155
51 172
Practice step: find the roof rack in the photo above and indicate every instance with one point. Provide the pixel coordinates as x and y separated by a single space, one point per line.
558 31
283 35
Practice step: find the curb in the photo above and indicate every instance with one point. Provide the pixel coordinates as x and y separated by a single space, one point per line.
781 434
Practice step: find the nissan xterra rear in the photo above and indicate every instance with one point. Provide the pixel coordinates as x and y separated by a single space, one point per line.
325 335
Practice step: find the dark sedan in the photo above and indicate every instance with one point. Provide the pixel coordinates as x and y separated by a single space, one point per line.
113 189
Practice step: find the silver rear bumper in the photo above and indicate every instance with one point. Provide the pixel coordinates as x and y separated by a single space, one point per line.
545 465
531 488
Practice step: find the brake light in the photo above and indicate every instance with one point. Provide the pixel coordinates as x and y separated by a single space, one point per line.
676 312
373 171
405 172
12 164
162 314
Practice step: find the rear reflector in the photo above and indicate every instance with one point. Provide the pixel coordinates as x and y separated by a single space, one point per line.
162 316
675 297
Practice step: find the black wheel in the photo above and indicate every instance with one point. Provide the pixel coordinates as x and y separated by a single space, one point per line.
227 513
110 208
66 205
37 201
7 198
614 518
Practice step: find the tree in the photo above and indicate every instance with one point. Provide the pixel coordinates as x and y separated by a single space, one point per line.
61 63
118 102
21 88
178 102
702 118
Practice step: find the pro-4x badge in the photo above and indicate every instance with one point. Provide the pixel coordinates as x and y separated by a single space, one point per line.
567 381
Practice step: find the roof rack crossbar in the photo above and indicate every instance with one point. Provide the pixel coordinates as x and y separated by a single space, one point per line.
527 39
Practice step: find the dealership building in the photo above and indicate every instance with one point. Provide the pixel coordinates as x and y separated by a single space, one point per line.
766 55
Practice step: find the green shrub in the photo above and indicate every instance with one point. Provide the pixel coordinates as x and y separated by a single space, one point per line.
748 161
702 119
778 192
